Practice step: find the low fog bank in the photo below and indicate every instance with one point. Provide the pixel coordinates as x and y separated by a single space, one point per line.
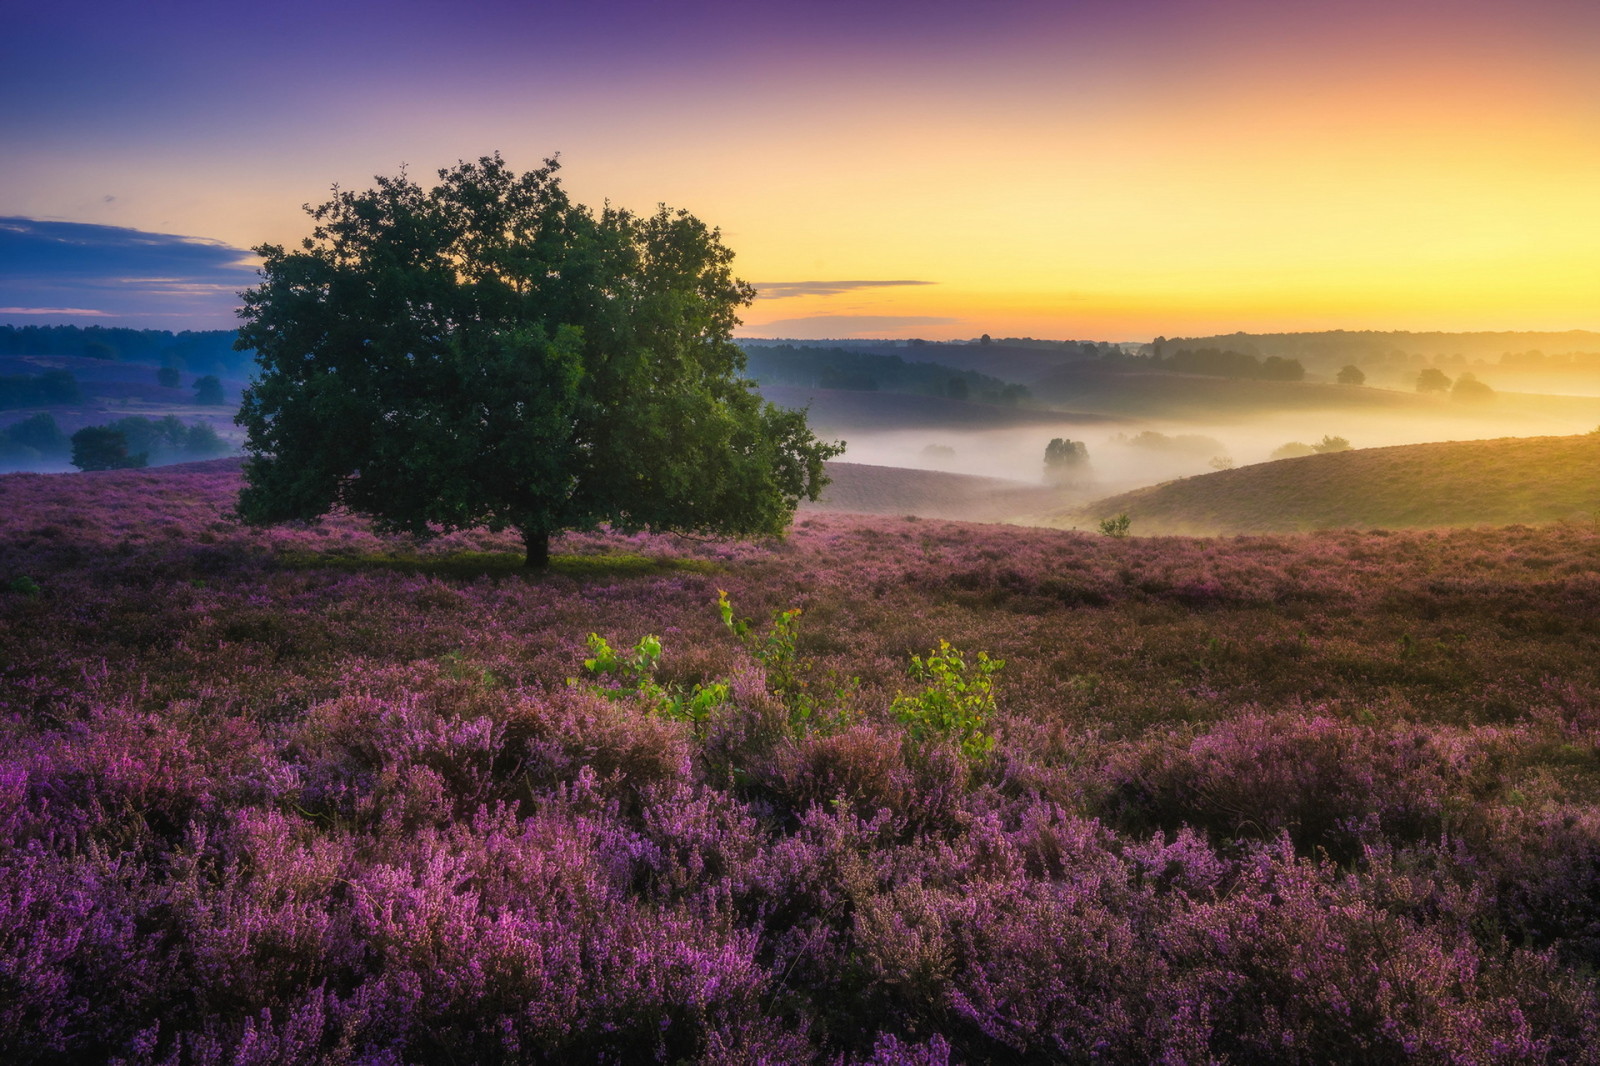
1138 453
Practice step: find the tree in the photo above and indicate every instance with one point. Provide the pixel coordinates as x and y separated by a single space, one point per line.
1468 389
103 448
1351 375
208 391
168 377
1293 450
1433 380
489 353
38 432
1064 460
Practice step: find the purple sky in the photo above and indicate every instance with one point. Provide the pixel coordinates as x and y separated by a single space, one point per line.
1110 169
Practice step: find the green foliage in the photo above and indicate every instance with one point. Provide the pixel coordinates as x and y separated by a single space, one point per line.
489 353
34 437
1116 527
1221 362
955 704
1292 450
104 448
1350 374
1468 389
633 676
1181 443
23 586
1062 452
841 368
1433 380
208 391
786 674
1065 460
1331 444
143 441
52 387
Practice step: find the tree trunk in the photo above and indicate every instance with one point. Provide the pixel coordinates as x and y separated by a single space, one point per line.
538 545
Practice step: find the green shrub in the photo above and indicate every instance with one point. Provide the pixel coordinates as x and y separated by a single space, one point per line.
956 703
1116 527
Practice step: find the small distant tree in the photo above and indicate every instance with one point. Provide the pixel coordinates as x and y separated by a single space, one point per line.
489 353
203 442
1064 459
103 448
1433 380
168 377
1293 450
1221 462
1351 375
208 391
1331 444
1468 389
37 432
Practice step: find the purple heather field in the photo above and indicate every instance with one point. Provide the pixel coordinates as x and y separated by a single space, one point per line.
308 795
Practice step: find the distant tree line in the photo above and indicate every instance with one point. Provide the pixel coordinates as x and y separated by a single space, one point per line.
51 388
840 368
1081 349
134 441
1181 443
138 441
1534 359
207 351
1227 363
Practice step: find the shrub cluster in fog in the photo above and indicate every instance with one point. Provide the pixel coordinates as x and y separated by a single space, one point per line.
138 441
44 389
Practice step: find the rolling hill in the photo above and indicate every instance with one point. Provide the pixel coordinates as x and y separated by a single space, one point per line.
1452 483
860 488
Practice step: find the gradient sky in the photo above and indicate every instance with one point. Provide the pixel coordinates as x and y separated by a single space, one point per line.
1107 169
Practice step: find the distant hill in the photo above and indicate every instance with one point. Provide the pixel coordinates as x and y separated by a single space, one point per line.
1331 347
1132 389
862 489
1453 483
840 410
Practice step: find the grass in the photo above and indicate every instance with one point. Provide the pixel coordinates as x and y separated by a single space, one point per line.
469 565
1418 486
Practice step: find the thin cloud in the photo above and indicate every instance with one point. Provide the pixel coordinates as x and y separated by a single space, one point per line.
782 290
81 270
84 311
822 327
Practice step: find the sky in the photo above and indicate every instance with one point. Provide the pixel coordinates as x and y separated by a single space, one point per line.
1099 169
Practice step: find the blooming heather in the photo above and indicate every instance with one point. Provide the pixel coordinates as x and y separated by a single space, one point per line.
308 795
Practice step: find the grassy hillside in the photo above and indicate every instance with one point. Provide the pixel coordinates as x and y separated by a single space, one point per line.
860 488
310 795
1454 483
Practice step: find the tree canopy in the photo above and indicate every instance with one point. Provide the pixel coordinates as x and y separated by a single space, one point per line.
489 353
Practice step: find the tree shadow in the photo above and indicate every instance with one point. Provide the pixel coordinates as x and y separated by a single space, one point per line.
471 565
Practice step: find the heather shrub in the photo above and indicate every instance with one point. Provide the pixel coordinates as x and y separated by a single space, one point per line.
1328 784
861 769
310 795
550 736
1547 876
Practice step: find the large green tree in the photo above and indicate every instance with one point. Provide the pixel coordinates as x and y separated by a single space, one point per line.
489 353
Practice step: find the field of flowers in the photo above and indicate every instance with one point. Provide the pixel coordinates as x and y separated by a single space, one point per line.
309 795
